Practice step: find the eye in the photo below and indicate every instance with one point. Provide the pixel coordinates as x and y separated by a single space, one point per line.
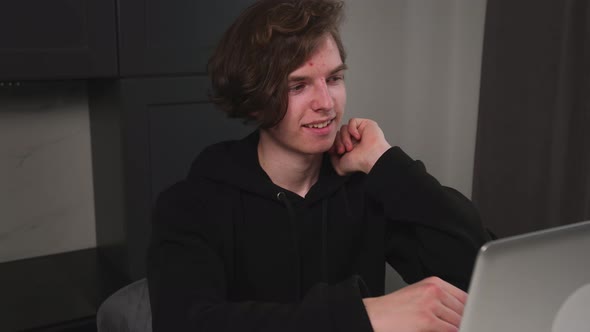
296 88
335 79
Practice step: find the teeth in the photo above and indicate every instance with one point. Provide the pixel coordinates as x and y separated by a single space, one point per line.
319 125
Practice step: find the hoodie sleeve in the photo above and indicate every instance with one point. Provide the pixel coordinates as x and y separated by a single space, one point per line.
432 230
189 290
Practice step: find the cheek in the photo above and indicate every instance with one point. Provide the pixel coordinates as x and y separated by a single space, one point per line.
296 104
340 98
290 120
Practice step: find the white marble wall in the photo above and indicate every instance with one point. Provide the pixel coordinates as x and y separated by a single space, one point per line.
46 195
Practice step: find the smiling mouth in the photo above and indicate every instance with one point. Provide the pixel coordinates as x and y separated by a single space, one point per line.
319 125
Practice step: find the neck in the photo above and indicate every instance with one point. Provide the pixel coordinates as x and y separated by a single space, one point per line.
288 169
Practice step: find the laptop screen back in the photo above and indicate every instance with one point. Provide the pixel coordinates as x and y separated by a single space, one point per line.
531 283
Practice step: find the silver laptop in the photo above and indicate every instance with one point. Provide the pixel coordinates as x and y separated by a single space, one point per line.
536 282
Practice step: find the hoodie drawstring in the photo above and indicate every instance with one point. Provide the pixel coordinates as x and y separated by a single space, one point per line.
281 196
324 261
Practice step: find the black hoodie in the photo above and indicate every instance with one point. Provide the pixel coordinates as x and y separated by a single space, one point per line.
231 251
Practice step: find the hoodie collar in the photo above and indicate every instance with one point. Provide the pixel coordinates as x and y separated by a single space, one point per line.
236 163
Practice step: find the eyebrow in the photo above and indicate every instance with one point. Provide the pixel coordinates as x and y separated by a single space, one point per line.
340 68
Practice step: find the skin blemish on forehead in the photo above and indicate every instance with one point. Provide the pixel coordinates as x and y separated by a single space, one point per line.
310 63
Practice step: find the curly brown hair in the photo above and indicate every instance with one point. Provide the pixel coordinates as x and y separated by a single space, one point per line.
269 40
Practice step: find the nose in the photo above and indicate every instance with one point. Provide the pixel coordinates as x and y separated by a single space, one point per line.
322 98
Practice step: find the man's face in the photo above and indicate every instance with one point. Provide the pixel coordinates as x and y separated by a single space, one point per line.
317 97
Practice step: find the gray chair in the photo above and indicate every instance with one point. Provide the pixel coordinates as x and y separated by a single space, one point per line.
127 310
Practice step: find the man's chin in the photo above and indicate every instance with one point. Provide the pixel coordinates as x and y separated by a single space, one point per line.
320 149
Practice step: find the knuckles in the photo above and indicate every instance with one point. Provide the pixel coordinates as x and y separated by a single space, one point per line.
434 280
427 320
433 289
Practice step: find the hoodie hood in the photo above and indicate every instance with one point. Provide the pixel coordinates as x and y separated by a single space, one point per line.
236 163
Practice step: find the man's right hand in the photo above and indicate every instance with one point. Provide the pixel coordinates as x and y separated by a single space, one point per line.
429 305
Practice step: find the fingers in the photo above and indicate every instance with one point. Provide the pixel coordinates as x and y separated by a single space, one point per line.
452 301
353 128
351 133
444 326
338 146
450 311
345 141
453 304
457 293
346 138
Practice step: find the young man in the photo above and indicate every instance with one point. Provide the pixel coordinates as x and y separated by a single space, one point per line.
289 228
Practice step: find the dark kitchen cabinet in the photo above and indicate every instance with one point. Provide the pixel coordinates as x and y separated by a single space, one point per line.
71 39
149 125
58 39
171 37
149 118
145 134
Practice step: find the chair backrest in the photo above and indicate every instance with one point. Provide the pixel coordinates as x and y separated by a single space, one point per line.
127 310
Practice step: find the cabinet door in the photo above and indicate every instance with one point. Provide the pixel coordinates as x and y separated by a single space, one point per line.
171 37
57 39
145 134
